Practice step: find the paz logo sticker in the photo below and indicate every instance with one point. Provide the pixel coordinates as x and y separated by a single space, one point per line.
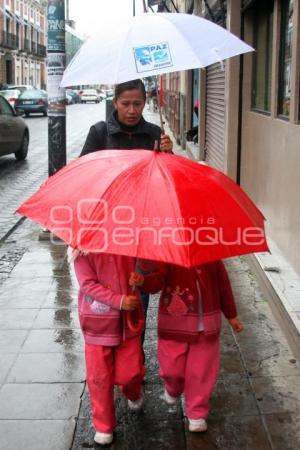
151 57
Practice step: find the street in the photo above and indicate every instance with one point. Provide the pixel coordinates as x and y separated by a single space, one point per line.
19 179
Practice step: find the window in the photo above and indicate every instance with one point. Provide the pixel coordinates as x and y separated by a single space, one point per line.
17 34
262 59
285 58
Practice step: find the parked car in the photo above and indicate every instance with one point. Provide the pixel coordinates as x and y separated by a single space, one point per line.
109 93
14 133
72 97
102 95
11 95
20 87
89 95
32 101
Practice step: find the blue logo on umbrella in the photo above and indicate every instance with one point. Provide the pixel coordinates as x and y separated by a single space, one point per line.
151 57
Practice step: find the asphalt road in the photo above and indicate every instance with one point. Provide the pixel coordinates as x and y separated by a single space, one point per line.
20 179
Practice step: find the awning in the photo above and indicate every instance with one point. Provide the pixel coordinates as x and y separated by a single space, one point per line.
9 14
37 27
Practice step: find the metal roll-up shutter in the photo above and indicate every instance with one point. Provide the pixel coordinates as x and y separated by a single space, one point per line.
215 116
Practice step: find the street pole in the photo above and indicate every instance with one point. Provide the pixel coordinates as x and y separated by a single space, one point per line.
56 57
67 10
145 6
133 4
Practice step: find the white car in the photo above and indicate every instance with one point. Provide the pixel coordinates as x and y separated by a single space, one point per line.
11 95
89 95
21 87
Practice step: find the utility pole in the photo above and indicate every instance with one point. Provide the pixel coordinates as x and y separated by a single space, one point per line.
145 6
133 5
56 58
67 10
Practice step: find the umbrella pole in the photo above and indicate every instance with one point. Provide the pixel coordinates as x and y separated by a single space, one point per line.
159 107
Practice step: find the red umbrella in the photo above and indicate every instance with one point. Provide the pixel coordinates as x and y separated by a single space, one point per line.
149 205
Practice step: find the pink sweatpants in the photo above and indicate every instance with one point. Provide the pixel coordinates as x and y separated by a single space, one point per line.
192 369
107 366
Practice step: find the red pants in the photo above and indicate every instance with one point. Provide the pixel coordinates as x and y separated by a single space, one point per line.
107 366
192 369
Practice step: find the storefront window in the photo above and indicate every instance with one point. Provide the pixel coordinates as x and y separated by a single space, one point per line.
262 58
284 82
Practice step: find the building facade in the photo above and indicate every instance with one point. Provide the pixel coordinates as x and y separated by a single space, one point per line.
249 113
73 41
23 28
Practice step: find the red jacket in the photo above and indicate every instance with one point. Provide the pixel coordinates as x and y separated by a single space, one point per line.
103 282
178 314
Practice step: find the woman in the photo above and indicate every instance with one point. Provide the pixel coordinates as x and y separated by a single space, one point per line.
127 129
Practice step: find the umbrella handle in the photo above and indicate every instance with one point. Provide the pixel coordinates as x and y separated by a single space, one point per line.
135 326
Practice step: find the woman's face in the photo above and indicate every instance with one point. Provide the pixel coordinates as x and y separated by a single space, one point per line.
129 106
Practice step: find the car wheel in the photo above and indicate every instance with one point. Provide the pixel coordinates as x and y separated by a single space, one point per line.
22 152
27 114
45 113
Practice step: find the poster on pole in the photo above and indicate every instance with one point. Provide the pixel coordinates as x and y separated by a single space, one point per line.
56 26
56 94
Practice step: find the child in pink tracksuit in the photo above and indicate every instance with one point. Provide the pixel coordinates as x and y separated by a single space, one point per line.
189 323
113 352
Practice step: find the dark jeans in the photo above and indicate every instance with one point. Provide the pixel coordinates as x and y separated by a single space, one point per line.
145 301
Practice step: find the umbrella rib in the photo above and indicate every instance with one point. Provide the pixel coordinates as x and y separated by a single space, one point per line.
135 166
189 45
120 55
168 176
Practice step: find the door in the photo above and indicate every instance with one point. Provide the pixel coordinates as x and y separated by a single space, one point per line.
9 79
215 116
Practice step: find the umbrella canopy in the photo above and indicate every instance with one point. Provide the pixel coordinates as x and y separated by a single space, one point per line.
149 205
150 44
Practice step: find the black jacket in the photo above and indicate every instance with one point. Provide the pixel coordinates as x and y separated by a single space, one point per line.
112 136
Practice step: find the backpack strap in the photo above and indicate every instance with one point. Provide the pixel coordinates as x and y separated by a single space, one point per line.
101 130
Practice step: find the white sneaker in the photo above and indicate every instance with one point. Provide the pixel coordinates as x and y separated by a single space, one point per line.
197 425
136 405
169 399
103 438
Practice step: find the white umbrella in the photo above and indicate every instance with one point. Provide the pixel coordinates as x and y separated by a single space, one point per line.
150 44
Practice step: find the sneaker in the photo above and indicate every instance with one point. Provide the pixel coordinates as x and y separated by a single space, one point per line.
169 399
103 438
136 405
197 425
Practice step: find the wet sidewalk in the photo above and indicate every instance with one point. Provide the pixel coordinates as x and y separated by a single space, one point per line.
43 400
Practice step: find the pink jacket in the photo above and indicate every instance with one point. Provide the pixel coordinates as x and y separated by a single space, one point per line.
178 315
103 281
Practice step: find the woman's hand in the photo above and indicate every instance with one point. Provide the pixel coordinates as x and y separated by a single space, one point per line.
236 325
166 145
136 279
130 302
